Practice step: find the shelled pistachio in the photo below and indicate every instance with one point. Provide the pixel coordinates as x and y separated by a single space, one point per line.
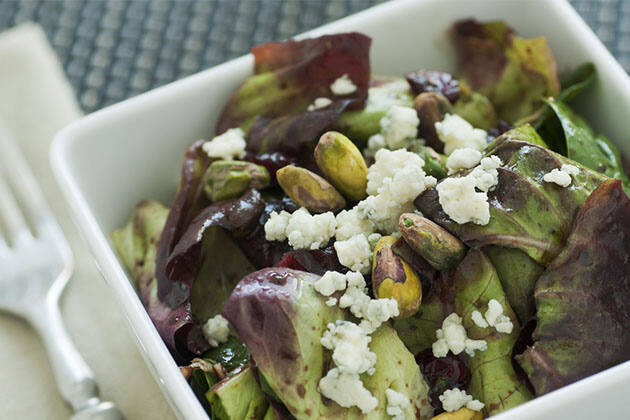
393 278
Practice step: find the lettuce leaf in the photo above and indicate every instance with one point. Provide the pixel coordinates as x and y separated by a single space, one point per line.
518 274
136 246
493 379
515 73
583 298
584 146
280 317
418 331
289 75
525 212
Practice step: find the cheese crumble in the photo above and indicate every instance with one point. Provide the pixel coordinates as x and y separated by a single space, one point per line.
454 399
343 86
493 318
319 103
397 403
399 124
216 330
394 180
459 197
452 336
562 176
465 158
457 133
226 146
302 229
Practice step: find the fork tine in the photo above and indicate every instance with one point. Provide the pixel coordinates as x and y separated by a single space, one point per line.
22 180
11 215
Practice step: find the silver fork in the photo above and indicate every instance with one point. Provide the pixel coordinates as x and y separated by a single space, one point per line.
35 265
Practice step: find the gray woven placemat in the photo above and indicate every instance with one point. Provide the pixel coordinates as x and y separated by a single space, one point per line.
115 49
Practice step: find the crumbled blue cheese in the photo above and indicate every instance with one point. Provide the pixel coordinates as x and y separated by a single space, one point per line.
355 253
562 176
478 319
347 390
330 283
216 330
399 124
343 86
350 346
349 342
462 202
226 146
454 399
383 97
394 180
457 133
465 158
459 197
397 404
452 336
302 229
319 103
375 143
350 224
495 317
372 312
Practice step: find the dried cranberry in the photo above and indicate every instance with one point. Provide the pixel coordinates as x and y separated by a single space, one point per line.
501 128
271 161
316 261
261 252
434 81
442 373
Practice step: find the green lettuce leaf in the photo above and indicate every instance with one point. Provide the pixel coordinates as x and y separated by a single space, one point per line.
584 146
418 331
281 319
518 274
514 73
583 298
525 212
493 379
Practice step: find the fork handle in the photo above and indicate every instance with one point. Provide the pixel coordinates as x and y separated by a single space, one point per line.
74 378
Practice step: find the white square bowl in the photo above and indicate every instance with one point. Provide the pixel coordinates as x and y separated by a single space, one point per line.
109 160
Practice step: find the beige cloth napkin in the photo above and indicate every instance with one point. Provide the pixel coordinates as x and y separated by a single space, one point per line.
35 102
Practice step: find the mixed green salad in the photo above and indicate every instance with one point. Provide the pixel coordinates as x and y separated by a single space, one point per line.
349 245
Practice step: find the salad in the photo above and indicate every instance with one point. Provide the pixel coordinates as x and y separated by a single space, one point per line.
356 246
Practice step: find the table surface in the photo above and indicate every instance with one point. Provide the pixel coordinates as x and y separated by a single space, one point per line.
115 49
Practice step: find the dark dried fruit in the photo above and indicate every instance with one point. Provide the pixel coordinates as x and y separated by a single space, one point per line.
258 250
271 161
441 374
316 261
434 81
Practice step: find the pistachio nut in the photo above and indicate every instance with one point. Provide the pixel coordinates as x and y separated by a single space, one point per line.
431 241
477 110
461 414
226 179
393 278
309 190
343 165
431 108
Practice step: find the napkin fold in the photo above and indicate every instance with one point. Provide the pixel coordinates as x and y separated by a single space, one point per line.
36 101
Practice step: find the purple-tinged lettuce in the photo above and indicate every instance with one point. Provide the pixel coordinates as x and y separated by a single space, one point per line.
514 73
280 317
583 299
525 212
290 75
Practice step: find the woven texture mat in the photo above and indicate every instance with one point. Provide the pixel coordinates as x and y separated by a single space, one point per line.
114 49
